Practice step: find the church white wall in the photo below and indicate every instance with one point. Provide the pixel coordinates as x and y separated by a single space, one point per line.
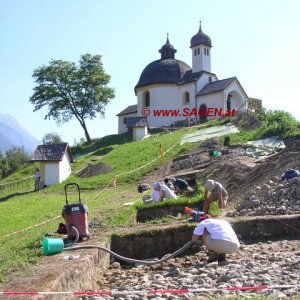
201 61
166 97
204 80
121 126
211 101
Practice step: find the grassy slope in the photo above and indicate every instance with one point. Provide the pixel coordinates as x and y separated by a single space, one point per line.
29 208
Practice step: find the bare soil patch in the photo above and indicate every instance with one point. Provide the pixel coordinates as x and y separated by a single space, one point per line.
94 170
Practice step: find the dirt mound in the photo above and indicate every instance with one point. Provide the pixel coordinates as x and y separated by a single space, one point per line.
271 167
246 122
94 170
212 143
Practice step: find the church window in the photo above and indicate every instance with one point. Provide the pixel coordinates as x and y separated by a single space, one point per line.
198 50
146 99
195 52
229 102
124 120
186 98
207 50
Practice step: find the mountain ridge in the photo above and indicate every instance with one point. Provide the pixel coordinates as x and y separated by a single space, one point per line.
12 134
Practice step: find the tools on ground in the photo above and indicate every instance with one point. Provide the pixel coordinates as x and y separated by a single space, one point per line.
197 215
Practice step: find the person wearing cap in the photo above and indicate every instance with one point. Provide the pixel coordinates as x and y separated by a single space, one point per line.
163 191
219 238
217 193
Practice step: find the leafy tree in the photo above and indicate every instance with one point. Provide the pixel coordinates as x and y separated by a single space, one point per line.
14 160
72 91
52 138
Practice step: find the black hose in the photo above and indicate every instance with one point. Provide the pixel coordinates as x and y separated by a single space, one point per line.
130 260
76 236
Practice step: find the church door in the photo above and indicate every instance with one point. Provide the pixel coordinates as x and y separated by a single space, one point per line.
203 113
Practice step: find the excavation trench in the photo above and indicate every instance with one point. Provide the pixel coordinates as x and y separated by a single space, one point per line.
87 271
157 243
150 214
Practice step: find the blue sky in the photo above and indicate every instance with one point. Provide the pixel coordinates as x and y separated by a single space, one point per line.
257 41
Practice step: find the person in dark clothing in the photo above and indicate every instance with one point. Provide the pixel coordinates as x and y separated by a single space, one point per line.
180 185
37 175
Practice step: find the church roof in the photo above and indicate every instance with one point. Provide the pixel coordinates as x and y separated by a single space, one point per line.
163 71
200 38
216 86
131 109
189 76
51 152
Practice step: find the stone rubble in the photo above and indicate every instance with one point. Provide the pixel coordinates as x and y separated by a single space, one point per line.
275 198
264 263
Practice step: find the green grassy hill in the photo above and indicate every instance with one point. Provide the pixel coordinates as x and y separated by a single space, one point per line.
39 212
27 208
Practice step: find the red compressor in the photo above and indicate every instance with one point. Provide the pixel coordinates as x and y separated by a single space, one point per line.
76 214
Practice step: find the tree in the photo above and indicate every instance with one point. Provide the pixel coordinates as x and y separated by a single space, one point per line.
52 138
72 91
14 160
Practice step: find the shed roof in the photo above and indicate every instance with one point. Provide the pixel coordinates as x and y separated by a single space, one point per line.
133 121
51 152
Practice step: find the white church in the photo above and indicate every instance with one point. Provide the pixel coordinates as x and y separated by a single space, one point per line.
169 83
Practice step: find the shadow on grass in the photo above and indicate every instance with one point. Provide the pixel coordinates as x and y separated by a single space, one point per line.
4 198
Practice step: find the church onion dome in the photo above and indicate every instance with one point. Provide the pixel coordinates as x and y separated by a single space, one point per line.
200 39
163 71
167 50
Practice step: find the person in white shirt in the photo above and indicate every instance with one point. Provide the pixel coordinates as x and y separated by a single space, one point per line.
155 196
164 192
219 238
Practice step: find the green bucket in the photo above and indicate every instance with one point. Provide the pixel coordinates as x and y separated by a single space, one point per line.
52 246
215 152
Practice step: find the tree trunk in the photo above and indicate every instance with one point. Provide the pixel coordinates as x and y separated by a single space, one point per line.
87 136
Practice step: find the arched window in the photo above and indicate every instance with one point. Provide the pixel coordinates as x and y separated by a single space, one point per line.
146 99
186 98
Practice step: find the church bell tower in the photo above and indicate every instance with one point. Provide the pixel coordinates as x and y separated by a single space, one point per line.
201 52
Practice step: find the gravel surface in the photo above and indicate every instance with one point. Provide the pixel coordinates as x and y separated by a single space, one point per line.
275 198
263 263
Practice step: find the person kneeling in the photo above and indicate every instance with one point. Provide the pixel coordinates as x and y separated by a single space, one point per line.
219 238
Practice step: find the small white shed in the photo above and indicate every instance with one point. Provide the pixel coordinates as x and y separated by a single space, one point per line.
55 162
140 130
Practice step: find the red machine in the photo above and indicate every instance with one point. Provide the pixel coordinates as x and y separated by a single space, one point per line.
77 215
